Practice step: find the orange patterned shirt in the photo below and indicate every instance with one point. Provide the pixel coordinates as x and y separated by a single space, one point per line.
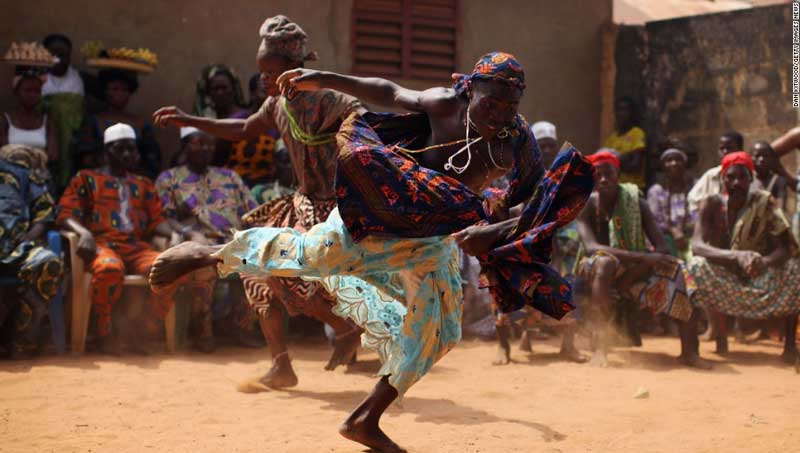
117 210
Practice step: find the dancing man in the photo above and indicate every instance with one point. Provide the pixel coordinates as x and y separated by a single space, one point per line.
407 189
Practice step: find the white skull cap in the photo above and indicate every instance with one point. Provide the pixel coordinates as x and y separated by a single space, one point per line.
544 129
119 131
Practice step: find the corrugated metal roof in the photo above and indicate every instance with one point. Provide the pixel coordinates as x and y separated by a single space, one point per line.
636 12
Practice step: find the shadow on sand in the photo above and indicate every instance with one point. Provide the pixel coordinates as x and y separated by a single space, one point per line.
436 411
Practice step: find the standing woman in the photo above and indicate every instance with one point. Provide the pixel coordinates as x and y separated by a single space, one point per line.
26 124
219 95
670 205
63 94
630 141
117 87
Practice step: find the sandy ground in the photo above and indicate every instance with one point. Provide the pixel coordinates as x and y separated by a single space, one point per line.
188 403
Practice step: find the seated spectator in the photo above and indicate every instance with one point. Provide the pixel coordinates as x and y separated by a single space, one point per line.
745 257
203 202
26 211
117 87
670 206
630 141
768 175
711 182
63 99
27 125
617 263
114 212
206 204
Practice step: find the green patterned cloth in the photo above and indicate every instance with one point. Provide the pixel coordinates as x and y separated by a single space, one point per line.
625 225
66 109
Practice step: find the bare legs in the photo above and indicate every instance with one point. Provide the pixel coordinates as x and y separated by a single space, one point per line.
503 345
603 283
179 261
690 344
568 350
601 286
362 425
281 374
790 353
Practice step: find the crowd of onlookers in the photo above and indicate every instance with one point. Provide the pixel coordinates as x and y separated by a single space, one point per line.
75 158
675 256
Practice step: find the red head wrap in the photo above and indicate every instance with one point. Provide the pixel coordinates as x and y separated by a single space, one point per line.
604 157
737 158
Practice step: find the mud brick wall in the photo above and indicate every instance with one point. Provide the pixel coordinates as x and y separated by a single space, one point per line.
696 77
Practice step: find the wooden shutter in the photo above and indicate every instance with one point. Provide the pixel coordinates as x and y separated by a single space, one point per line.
410 39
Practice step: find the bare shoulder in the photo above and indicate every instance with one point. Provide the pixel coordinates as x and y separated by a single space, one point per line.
439 100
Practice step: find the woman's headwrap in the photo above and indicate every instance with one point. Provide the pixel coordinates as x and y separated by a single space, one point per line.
203 106
737 158
495 66
32 158
285 38
604 157
674 151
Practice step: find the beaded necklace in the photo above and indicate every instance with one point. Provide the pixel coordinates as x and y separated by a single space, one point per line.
302 136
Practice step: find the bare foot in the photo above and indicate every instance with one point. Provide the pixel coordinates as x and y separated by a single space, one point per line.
599 359
344 349
571 355
179 261
790 356
370 435
281 375
525 342
694 361
503 356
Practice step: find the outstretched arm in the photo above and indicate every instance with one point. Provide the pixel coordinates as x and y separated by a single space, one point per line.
228 129
372 90
787 142
783 145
